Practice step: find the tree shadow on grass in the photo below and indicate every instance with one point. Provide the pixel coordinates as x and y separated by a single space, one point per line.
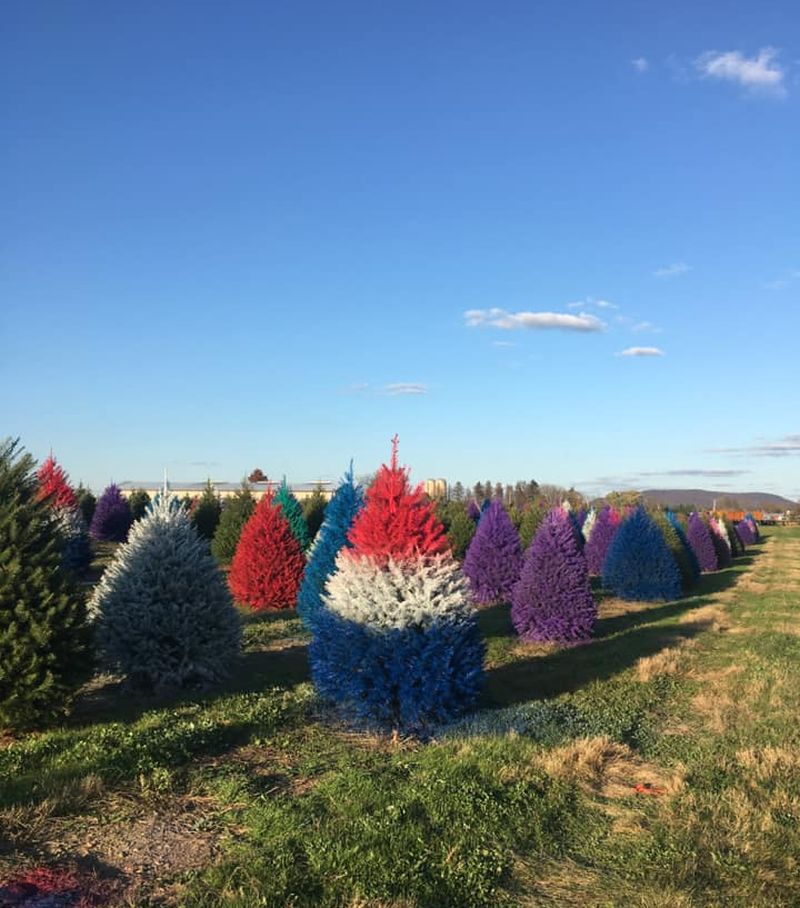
571 668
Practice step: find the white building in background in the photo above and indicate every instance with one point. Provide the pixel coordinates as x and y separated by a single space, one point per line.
436 488
300 490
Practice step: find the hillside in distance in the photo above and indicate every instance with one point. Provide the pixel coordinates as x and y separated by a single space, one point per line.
703 498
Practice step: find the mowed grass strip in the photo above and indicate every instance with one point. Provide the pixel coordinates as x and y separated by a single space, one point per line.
657 765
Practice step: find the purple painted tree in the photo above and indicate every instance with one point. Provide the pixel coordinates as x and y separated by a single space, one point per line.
702 544
745 532
473 511
112 517
494 556
596 549
552 599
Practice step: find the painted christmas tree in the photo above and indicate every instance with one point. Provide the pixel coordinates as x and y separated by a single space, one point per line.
54 485
702 544
339 516
494 557
639 564
112 517
293 513
473 511
397 643
737 548
164 615
588 524
605 527
745 532
56 491
44 633
236 511
552 600
719 538
268 565
677 543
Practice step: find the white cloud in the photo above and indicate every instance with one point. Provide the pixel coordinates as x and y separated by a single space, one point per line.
641 351
758 75
783 447
591 302
645 328
405 387
640 64
676 269
513 321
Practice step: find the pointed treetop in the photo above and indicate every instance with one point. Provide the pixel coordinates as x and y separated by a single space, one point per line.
395 446
54 484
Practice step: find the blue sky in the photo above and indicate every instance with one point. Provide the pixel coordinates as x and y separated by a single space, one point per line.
537 240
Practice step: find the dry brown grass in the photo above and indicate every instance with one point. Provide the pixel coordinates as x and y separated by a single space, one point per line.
668 661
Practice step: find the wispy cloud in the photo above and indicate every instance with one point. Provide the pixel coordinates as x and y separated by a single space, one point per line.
641 351
695 472
757 75
640 64
534 321
393 389
591 303
782 447
405 387
645 328
676 269
503 344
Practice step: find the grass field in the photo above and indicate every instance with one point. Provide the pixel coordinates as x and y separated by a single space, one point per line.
658 765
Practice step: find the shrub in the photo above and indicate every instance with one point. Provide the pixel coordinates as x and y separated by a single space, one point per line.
112 516
293 514
494 556
44 632
267 568
397 643
339 515
164 615
605 527
702 544
639 564
552 599
206 513
236 511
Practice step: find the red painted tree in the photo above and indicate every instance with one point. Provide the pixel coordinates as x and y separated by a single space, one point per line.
54 485
397 522
267 568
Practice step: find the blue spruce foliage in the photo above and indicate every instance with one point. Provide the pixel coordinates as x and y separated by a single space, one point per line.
417 678
347 501
577 532
639 565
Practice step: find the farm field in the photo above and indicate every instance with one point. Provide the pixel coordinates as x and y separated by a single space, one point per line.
657 765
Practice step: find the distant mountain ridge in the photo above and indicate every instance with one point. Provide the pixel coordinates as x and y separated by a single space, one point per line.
702 498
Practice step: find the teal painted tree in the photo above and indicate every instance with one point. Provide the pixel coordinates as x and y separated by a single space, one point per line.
293 513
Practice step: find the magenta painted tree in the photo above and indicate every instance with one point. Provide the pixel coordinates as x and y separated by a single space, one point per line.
494 556
596 549
552 600
701 543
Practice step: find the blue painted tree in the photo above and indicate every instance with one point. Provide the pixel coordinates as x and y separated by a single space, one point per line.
494 556
396 643
340 513
639 565
552 600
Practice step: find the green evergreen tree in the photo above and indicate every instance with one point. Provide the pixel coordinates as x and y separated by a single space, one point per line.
44 632
314 512
293 514
138 501
86 502
236 511
206 513
531 519
460 530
